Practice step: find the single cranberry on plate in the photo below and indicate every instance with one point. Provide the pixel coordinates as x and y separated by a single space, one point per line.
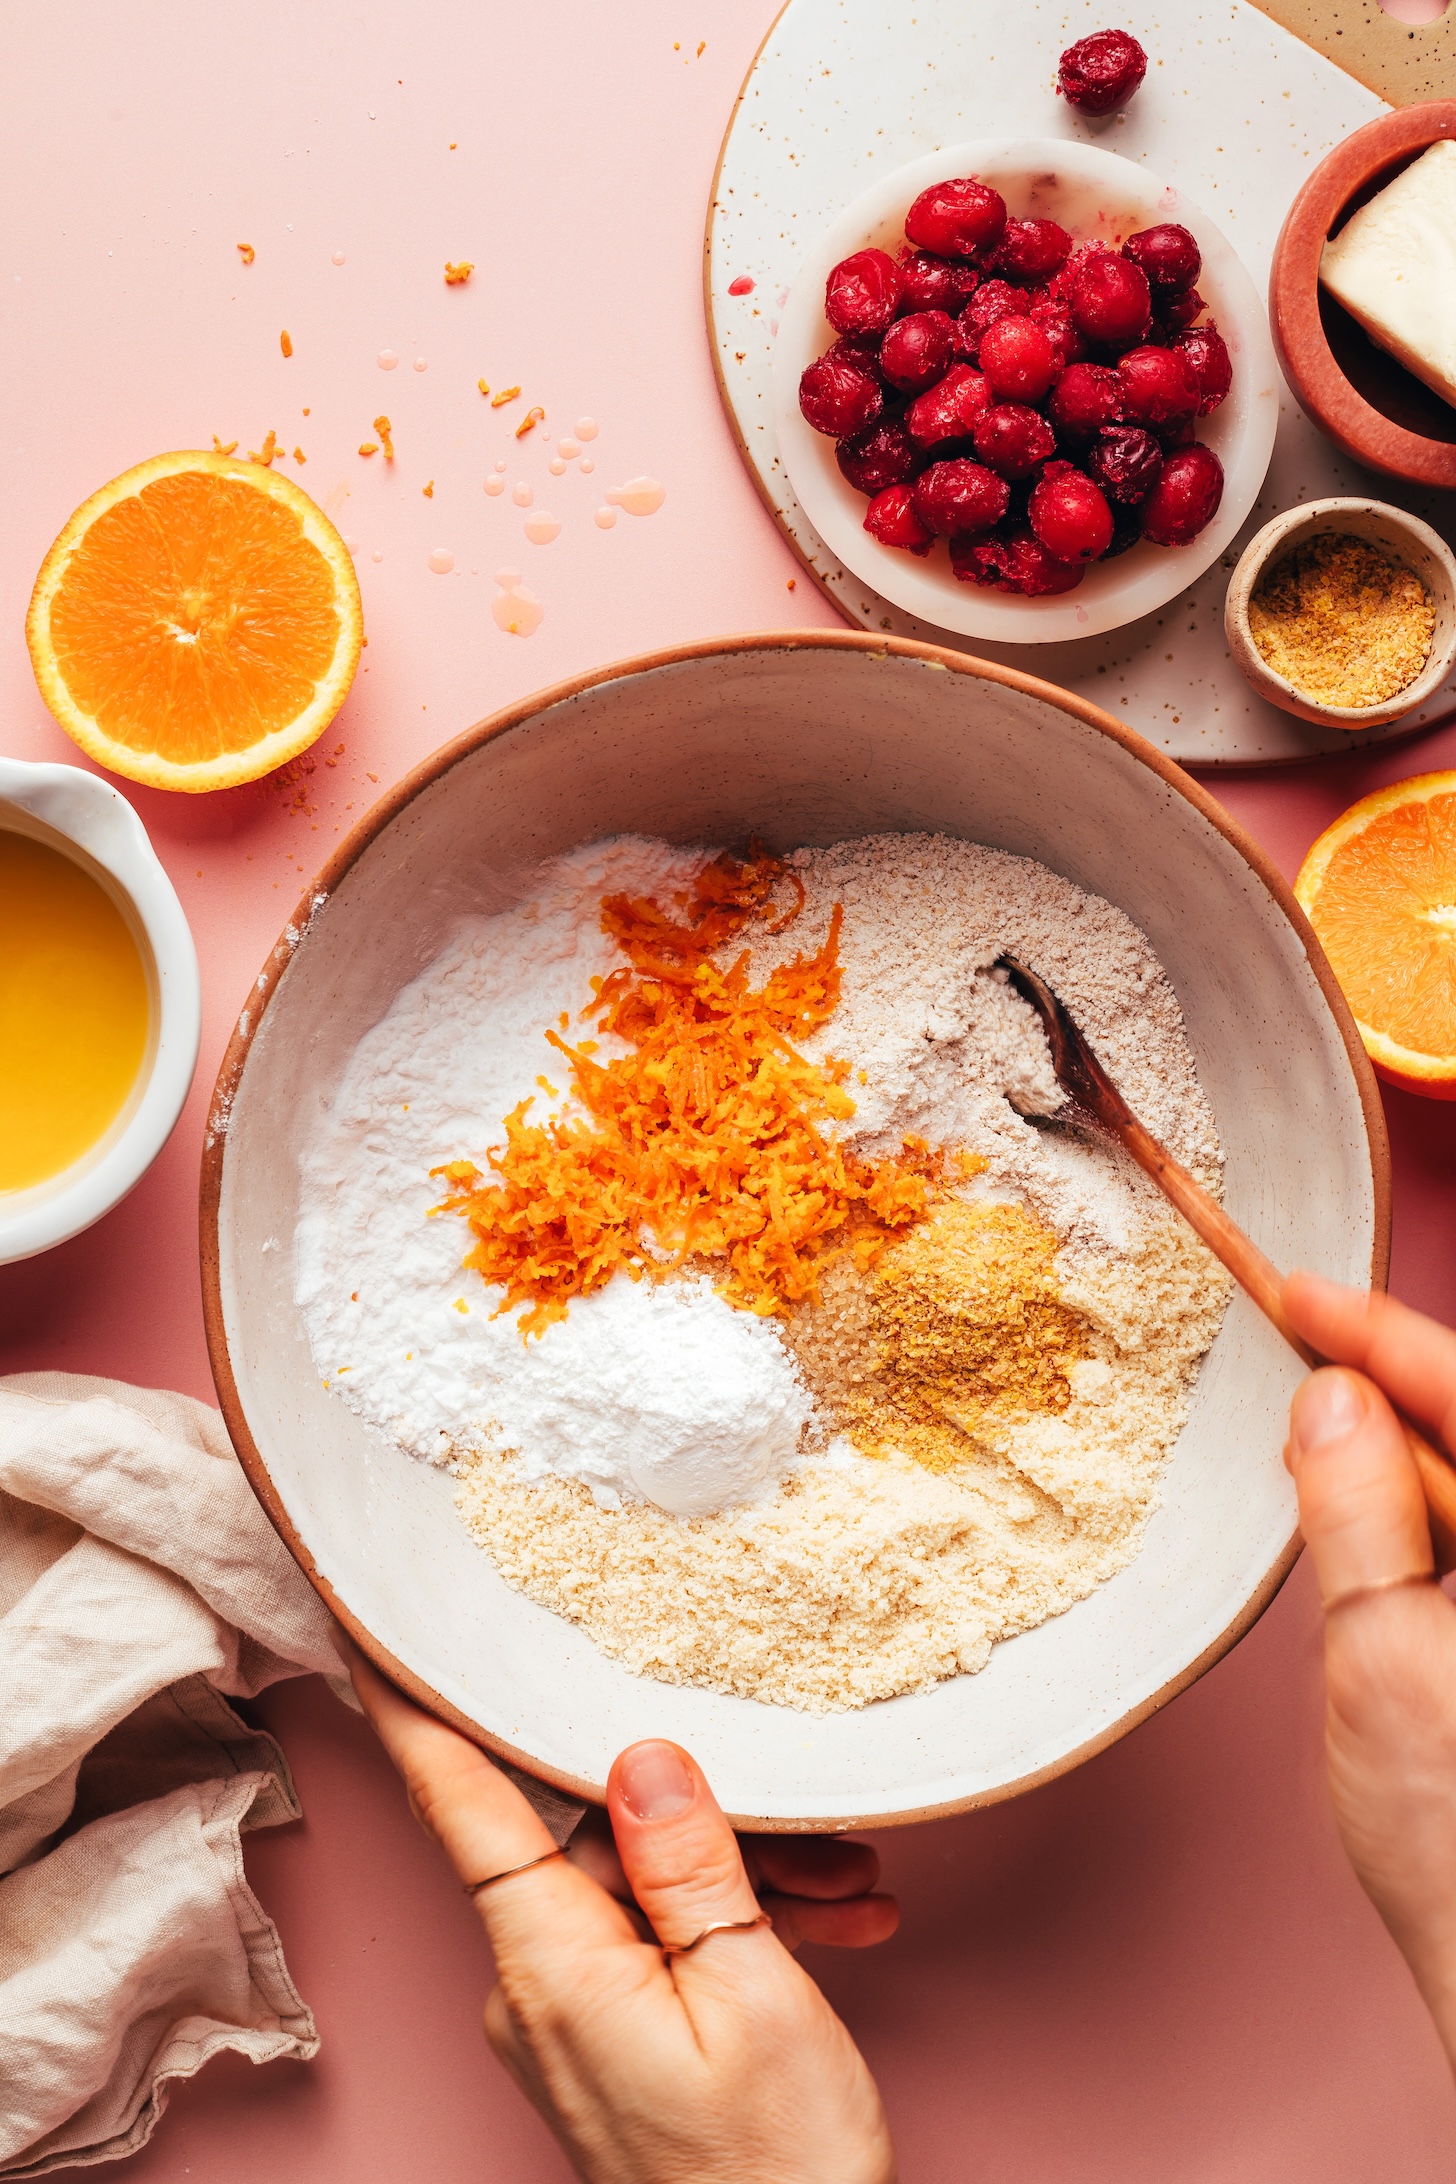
1207 351
1185 498
884 454
928 283
1012 439
1054 317
1017 563
918 350
1168 255
993 300
958 496
956 219
891 518
1101 73
838 396
1018 360
949 409
862 294
1069 514
1175 308
1111 301
1032 250
1159 387
1084 399
1125 462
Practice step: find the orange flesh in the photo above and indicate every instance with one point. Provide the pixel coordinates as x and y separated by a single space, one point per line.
1386 913
194 618
707 1134
74 1013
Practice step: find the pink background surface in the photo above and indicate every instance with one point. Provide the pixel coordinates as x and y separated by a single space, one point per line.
1158 1968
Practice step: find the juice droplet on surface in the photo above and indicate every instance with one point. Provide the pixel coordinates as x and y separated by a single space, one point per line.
568 447
605 518
542 528
352 544
517 612
377 555
422 363
522 494
587 466
386 360
587 428
442 561
507 578
639 496
743 286
495 484
556 467
338 258
498 466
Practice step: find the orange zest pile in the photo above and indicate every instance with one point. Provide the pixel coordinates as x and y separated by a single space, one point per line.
706 1139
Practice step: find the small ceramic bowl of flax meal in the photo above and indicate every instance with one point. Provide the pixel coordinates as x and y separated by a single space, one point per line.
1343 612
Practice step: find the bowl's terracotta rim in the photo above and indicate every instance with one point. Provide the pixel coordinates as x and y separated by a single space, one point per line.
373 823
1338 408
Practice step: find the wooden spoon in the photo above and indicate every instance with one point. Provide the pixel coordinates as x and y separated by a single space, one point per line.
1095 1100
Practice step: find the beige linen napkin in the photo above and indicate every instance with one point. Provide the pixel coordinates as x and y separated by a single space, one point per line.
141 1586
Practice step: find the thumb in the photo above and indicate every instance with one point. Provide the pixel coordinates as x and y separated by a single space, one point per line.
1361 1507
678 1852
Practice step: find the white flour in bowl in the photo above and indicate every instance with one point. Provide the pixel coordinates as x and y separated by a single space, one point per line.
671 1472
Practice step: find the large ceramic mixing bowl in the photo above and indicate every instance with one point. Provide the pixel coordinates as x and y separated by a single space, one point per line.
804 738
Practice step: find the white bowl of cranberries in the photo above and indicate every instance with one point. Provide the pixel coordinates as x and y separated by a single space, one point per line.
1025 390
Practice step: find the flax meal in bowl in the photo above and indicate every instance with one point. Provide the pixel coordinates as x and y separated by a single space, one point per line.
652 1286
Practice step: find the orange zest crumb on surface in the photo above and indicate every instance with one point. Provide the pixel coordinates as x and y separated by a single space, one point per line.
707 1136
266 452
533 417
299 456
456 274
484 385
247 253
384 428
285 342
429 490
368 447
219 449
702 48
507 394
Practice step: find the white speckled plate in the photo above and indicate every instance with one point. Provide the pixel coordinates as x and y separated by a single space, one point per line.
1234 113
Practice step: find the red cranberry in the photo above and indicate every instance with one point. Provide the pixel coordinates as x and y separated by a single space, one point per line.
861 350
1032 250
948 410
1012 440
862 294
993 300
1101 73
1126 462
1055 321
1207 351
1167 254
1084 399
1019 563
1069 514
959 496
891 518
956 219
838 396
1176 309
928 283
1159 387
917 350
1110 300
1127 529
884 454
1185 498
1018 360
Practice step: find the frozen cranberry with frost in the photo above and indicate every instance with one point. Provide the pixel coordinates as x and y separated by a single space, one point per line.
1125 462
1032 250
1101 73
928 283
1069 514
948 410
1207 351
993 300
958 496
1185 498
918 350
838 396
884 454
1175 309
956 219
1012 439
1167 254
1084 399
1159 387
891 518
1018 360
1127 529
862 294
1017 563
1111 301
862 350
1055 321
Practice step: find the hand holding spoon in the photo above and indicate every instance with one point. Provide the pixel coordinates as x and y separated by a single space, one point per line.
1095 1099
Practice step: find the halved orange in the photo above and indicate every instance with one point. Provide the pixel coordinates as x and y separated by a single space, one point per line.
1379 887
196 623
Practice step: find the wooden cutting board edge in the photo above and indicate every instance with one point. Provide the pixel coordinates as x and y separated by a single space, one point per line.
1402 62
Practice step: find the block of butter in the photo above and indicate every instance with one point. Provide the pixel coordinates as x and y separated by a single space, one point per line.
1393 267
